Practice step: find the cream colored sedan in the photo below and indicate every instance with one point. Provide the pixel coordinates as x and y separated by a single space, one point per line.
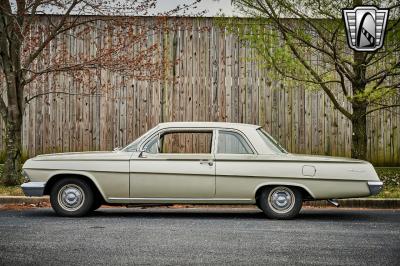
197 163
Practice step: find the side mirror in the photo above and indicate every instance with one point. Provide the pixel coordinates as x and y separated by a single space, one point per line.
117 149
141 154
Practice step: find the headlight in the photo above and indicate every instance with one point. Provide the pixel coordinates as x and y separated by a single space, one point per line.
26 176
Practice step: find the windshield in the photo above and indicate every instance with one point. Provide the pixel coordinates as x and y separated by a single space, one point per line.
271 142
135 145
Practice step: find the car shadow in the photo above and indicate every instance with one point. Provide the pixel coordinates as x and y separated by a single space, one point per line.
214 213
335 215
180 213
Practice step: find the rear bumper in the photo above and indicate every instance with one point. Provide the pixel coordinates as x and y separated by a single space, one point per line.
375 187
33 189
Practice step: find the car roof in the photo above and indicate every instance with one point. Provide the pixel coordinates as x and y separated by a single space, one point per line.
207 125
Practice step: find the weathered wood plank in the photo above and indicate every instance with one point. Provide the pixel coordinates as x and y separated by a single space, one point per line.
209 76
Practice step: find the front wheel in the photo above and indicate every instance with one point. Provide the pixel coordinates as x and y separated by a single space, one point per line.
96 204
281 202
71 197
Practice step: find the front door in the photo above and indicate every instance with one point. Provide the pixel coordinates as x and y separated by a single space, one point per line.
175 164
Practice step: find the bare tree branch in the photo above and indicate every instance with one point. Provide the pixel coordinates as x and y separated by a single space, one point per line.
52 34
29 99
384 73
381 108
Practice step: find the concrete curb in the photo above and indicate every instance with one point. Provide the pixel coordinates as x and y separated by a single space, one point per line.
370 203
22 200
391 203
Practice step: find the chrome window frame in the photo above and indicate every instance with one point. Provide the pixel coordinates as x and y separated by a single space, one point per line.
272 141
180 129
245 138
149 132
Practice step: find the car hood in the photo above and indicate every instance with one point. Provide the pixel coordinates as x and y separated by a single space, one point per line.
95 155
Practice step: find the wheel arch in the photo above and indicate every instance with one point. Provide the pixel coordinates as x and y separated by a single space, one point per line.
307 194
78 175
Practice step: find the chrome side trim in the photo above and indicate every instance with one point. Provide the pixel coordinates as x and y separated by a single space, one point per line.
210 199
33 189
181 200
375 187
375 183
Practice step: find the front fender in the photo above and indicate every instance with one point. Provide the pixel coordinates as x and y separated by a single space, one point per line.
88 175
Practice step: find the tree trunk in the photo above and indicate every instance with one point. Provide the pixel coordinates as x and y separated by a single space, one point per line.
359 137
359 104
12 165
13 120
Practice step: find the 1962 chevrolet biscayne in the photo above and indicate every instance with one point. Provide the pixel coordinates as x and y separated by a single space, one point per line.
197 163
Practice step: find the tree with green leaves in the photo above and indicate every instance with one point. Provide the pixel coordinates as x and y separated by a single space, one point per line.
287 33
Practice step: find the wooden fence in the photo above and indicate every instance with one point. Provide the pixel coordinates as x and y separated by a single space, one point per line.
211 81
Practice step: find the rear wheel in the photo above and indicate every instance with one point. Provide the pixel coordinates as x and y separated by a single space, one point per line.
281 202
71 197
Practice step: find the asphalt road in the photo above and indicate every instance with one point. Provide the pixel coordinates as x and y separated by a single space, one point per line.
200 236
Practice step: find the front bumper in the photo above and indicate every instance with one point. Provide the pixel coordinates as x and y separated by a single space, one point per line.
33 189
375 187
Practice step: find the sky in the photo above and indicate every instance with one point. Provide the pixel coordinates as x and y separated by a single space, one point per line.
211 7
207 8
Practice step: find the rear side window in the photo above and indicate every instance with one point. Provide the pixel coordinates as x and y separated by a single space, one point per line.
232 143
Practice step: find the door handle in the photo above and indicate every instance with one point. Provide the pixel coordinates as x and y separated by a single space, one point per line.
209 162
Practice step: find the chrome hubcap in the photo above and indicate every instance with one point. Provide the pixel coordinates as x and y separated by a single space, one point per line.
281 199
71 197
